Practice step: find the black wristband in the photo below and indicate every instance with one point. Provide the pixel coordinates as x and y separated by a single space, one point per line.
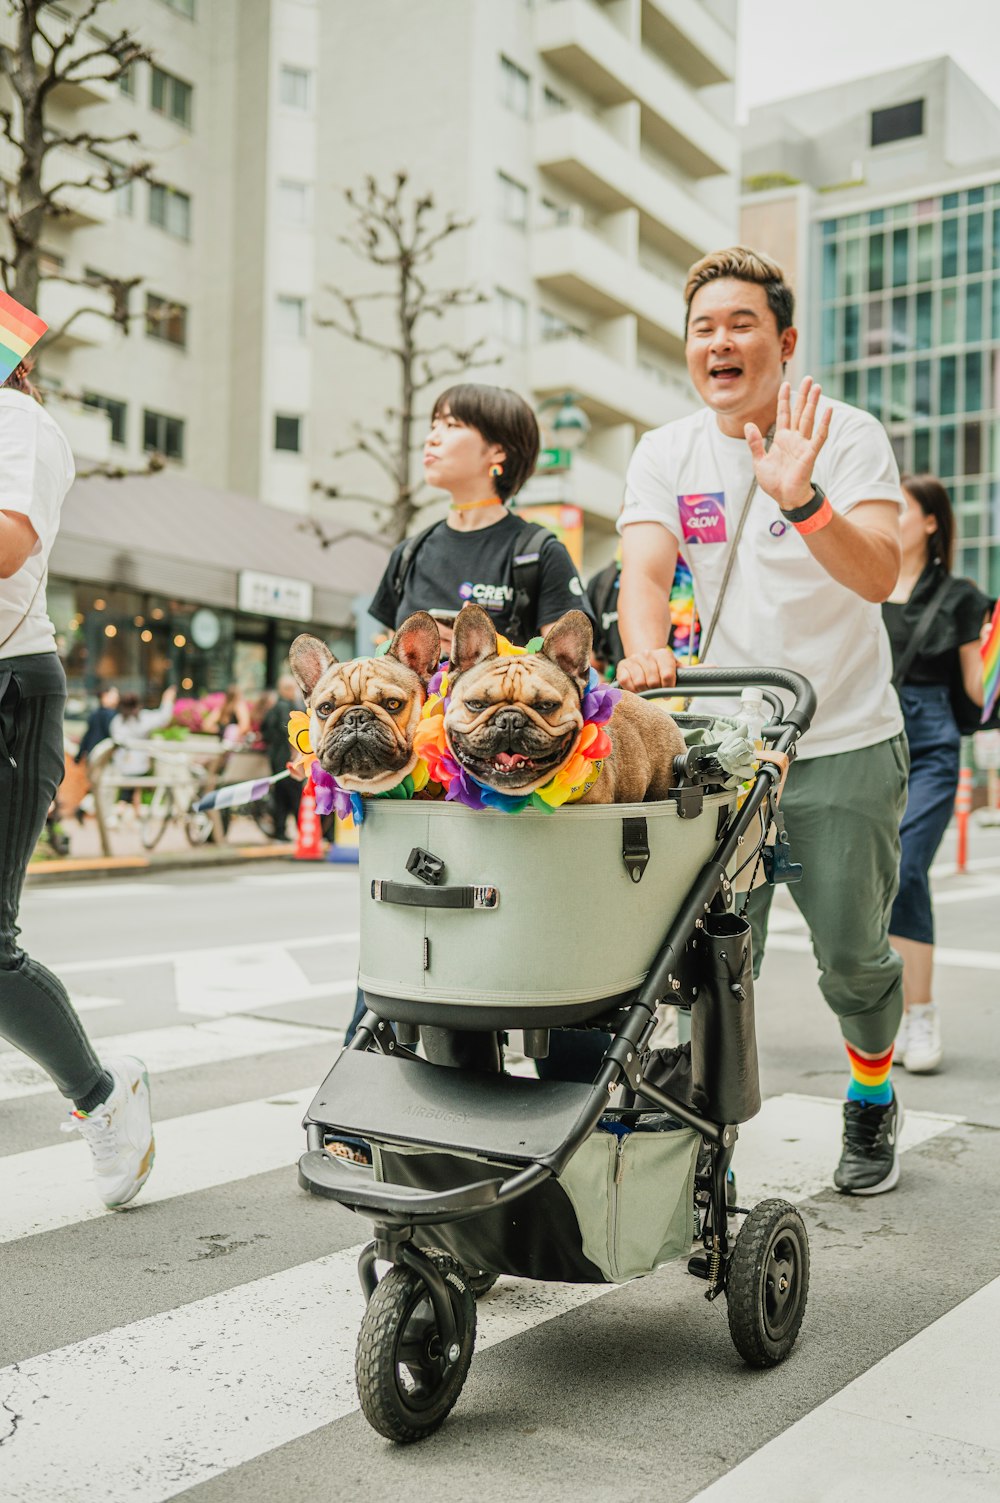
803 513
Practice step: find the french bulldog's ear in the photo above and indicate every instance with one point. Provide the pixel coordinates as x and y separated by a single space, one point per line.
569 645
474 638
417 645
309 658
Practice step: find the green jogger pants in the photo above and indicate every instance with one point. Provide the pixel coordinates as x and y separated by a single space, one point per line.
842 814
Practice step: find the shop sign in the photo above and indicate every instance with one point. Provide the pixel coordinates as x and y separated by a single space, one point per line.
273 595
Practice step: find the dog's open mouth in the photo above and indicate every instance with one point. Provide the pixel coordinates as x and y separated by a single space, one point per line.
513 769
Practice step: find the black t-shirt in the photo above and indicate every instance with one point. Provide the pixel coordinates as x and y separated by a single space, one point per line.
959 620
452 567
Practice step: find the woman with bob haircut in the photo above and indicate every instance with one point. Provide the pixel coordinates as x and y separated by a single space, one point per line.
481 448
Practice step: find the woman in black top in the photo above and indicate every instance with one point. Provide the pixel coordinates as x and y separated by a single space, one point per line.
481 448
948 654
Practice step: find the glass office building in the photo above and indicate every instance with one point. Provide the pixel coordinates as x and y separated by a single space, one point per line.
908 327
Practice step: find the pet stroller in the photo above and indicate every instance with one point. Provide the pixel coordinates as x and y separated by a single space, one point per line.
474 924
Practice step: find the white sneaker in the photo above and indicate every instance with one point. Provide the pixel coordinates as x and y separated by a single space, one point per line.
899 1048
923 1040
119 1133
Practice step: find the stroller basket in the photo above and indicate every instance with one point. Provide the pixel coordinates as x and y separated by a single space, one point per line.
483 920
620 1208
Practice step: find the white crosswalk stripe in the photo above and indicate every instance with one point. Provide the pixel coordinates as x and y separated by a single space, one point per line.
182 1046
236 1373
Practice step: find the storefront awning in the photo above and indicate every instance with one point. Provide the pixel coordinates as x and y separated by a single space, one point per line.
171 535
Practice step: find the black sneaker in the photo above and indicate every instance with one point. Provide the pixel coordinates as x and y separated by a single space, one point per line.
869 1164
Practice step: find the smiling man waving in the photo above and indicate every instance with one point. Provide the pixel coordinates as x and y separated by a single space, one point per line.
788 512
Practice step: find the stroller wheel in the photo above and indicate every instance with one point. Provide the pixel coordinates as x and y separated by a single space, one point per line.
407 1383
481 1282
767 1283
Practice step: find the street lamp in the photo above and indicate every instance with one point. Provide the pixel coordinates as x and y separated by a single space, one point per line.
568 430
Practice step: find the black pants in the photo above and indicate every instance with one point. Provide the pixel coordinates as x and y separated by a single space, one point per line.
36 1015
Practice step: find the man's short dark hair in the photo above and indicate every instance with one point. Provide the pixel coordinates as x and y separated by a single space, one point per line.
503 418
743 265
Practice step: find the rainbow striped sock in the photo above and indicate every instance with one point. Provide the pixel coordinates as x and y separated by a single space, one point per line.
870 1082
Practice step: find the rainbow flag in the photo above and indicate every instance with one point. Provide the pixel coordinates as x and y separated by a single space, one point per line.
20 331
991 665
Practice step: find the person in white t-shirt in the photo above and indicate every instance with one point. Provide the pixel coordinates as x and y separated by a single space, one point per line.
819 551
110 1097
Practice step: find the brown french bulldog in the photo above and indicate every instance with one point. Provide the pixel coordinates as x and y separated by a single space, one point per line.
513 721
362 714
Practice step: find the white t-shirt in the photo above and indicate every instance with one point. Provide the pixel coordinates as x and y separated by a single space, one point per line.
36 471
781 608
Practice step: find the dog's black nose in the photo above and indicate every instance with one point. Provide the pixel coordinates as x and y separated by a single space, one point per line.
355 719
509 722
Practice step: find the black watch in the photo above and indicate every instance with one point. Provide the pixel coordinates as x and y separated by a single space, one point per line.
811 507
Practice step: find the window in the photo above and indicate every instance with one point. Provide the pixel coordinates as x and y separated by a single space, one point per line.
515 88
115 410
294 202
182 7
512 318
166 320
291 318
899 122
162 434
552 101
295 87
170 210
513 201
126 81
552 213
287 433
552 326
171 96
50 263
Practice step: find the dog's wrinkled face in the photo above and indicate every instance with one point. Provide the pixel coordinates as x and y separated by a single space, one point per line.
362 714
513 721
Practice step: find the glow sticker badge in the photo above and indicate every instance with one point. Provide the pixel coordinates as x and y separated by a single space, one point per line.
703 516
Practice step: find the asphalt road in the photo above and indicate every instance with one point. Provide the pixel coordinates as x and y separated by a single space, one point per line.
201 1344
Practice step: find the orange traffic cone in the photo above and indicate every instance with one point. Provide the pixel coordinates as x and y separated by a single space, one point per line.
309 844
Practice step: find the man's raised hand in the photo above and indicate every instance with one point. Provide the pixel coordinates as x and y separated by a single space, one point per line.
785 470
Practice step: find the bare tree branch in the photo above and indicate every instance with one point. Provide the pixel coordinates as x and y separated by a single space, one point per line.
396 231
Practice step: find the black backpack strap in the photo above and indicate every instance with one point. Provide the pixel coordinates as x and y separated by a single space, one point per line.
601 598
527 572
405 561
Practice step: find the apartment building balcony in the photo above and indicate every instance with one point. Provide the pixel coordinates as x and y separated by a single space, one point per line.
574 263
592 486
609 391
698 47
581 155
71 169
581 43
87 429
82 311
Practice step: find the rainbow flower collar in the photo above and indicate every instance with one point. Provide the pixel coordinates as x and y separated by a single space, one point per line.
330 796
569 784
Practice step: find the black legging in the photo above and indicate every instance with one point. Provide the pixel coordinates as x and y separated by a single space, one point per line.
36 1015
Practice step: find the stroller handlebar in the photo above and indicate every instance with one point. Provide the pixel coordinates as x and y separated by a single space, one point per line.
731 680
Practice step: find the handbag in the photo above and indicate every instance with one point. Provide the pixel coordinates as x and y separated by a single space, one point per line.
965 710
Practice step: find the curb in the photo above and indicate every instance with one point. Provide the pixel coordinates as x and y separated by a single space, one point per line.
71 869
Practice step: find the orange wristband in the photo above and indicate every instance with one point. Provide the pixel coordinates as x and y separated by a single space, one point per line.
818 519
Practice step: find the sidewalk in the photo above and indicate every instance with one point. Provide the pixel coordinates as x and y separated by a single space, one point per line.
173 851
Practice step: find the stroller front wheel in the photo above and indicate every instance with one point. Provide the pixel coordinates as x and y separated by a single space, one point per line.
407 1383
767 1283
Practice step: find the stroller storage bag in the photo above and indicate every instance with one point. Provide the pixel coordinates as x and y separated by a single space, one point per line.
622 1206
